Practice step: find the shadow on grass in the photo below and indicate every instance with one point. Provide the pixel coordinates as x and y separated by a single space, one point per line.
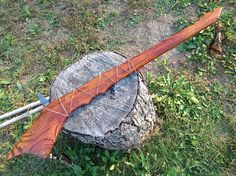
69 157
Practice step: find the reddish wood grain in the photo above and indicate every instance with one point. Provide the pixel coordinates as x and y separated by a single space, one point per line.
41 136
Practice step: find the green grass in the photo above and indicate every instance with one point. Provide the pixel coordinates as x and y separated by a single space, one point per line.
195 102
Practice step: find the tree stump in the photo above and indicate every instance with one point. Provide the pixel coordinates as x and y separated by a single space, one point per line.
122 118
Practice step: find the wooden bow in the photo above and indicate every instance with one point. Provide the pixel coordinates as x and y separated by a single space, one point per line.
41 136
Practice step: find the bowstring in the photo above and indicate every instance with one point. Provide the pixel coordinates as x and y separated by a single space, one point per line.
50 110
98 83
130 65
71 100
63 107
56 112
131 69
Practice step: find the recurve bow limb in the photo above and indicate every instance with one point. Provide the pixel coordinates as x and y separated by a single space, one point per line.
41 136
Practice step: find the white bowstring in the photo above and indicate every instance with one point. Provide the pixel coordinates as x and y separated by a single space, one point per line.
98 83
66 113
131 69
71 100
55 111
117 74
129 64
63 106
108 78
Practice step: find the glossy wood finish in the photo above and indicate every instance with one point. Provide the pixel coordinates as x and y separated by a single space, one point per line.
41 136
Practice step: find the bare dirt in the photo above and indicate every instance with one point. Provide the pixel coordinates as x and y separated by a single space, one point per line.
145 34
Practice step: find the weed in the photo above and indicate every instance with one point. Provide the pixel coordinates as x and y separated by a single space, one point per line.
134 20
200 44
189 113
7 41
52 19
35 29
164 6
105 20
26 12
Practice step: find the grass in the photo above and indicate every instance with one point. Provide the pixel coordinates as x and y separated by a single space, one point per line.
195 102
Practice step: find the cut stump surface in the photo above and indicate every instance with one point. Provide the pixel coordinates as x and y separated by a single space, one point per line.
122 118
